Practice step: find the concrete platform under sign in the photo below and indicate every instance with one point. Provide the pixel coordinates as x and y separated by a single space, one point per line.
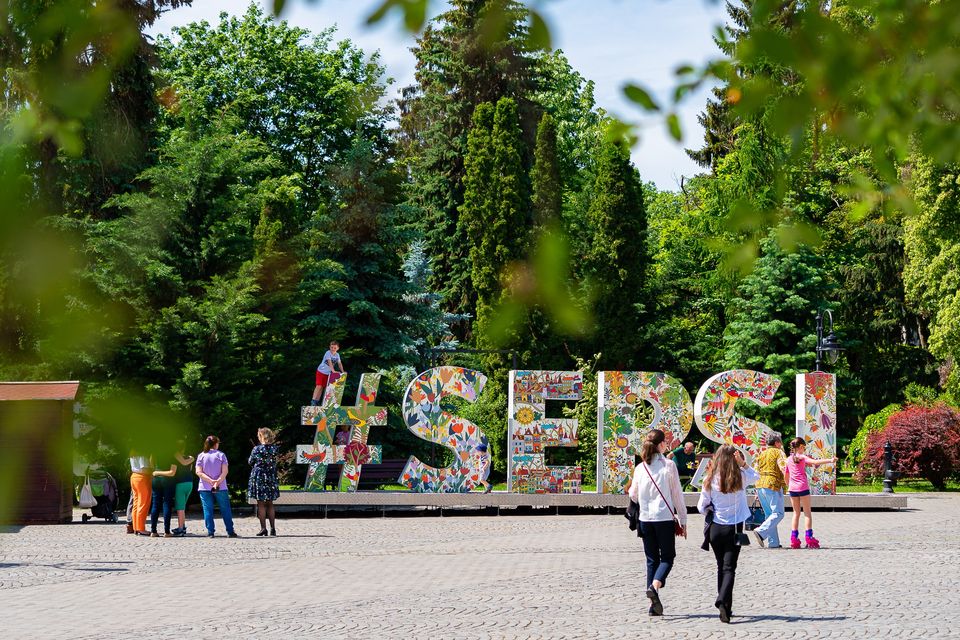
387 500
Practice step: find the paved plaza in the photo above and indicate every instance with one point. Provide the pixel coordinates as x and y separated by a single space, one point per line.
886 575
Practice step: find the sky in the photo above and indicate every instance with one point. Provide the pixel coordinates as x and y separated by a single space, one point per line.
611 42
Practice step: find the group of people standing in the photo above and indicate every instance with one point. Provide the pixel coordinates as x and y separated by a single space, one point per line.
165 483
662 513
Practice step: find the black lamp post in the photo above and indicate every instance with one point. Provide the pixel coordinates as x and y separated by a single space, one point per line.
828 347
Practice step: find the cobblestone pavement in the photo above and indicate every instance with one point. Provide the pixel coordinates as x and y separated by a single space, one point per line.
893 574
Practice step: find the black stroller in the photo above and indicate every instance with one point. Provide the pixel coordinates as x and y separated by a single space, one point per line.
104 489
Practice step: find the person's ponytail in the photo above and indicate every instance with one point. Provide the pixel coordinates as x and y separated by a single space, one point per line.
795 445
651 445
210 443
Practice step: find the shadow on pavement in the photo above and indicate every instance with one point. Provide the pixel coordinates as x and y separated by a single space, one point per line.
740 619
762 618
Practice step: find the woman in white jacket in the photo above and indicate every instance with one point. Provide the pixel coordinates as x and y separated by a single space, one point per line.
724 493
656 489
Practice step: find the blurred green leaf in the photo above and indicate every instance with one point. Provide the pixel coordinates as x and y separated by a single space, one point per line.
539 36
640 96
413 12
130 421
673 126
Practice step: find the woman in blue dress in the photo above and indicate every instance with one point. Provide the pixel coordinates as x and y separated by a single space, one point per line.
264 486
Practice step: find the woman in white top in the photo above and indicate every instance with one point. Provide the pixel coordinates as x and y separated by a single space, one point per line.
724 493
656 489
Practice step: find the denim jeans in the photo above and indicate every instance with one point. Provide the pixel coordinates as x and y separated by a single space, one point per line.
660 547
772 503
163 494
222 499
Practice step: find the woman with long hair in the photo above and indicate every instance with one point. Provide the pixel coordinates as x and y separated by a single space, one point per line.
212 468
656 489
724 494
264 486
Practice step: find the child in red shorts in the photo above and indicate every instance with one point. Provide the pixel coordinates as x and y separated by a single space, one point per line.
330 360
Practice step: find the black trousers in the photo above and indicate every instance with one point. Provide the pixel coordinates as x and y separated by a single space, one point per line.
660 547
723 539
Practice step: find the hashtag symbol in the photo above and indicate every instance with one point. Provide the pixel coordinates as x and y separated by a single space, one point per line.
326 418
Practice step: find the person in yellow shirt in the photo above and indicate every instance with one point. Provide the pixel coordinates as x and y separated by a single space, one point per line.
770 487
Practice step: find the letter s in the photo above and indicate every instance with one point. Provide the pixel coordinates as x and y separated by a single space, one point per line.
424 417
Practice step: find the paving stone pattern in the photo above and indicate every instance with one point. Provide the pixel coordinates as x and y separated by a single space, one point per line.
879 575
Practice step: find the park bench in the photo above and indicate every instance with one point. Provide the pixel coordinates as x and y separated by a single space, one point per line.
371 475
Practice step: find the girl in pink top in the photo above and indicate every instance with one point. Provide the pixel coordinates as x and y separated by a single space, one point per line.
795 471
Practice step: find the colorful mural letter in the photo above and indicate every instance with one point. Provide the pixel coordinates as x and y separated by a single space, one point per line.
424 417
715 404
531 432
816 423
327 418
622 396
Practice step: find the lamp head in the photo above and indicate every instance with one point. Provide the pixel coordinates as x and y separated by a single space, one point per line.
831 347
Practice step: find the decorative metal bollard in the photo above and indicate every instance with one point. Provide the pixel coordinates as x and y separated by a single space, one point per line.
889 475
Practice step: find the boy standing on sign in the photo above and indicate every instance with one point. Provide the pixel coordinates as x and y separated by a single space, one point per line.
325 372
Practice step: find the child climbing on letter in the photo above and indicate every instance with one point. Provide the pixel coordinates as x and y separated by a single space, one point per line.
325 372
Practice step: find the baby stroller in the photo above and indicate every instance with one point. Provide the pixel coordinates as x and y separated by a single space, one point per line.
104 489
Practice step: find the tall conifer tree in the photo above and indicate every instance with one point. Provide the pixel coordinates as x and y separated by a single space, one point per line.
617 258
545 176
495 213
461 62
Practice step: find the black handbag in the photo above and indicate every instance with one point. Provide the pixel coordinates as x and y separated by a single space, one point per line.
742 539
757 515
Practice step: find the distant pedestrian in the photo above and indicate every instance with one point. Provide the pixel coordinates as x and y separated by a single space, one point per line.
180 474
164 490
326 371
795 470
212 468
141 487
264 486
485 464
685 457
724 496
770 488
342 438
656 490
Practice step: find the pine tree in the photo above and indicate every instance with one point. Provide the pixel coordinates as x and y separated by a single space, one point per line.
430 324
545 176
718 120
718 126
772 324
479 207
495 212
367 306
461 63
617 259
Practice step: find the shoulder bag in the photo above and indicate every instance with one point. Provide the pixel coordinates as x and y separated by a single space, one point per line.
677 527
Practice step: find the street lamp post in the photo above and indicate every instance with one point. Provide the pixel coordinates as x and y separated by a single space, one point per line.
827 346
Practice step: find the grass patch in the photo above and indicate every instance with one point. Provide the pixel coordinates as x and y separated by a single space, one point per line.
910 485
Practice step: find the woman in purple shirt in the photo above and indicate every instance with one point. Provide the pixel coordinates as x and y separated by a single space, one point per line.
212 469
